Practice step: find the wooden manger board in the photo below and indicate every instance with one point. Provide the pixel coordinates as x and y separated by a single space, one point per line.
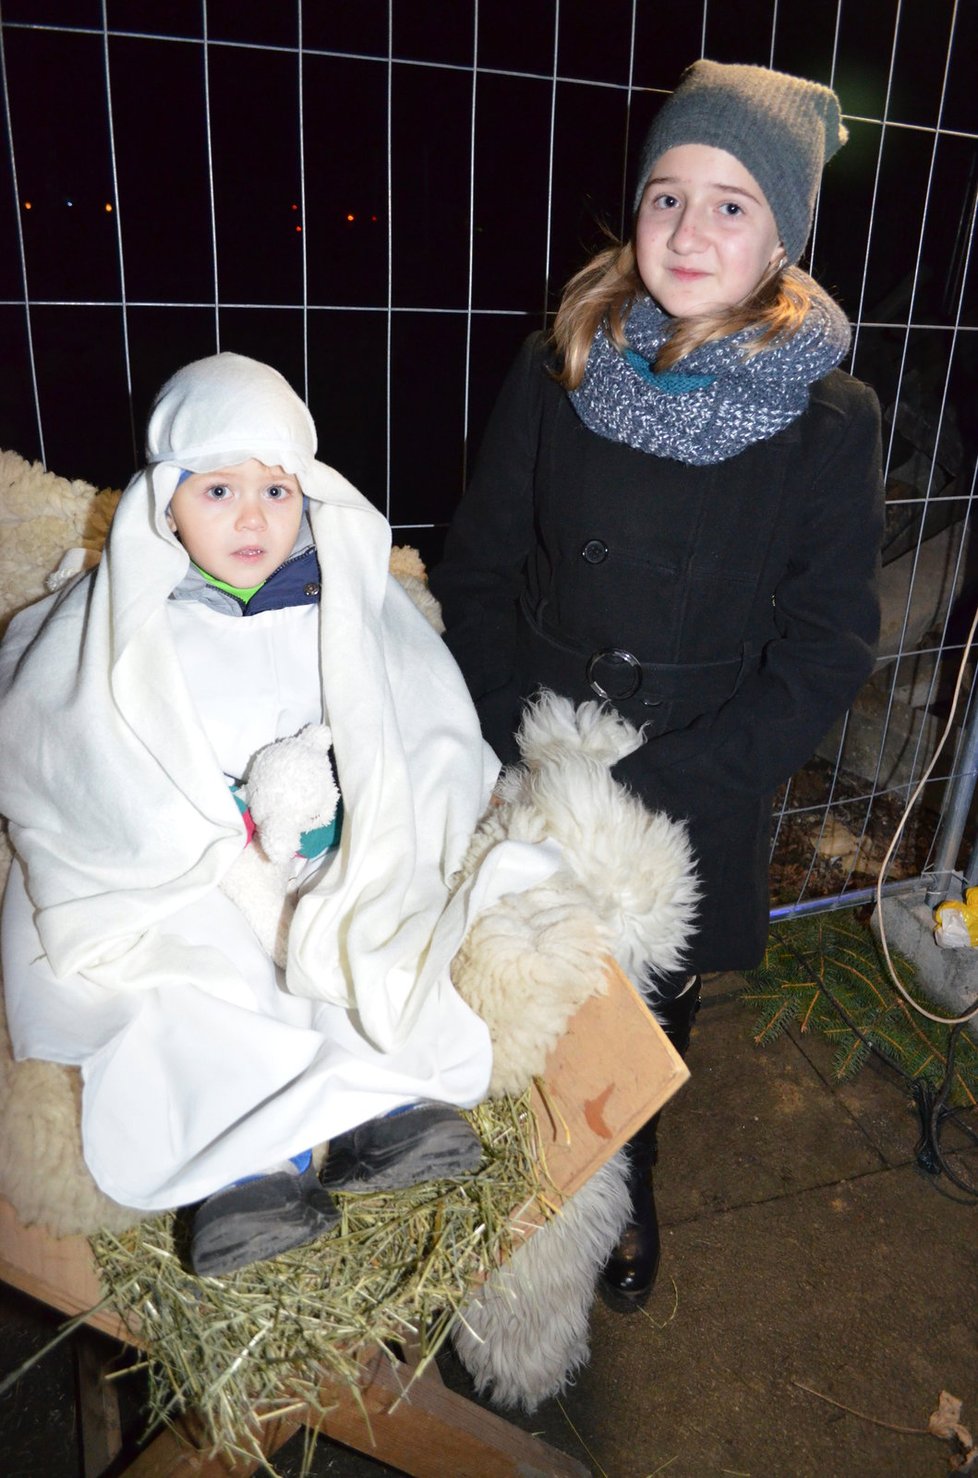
611 1071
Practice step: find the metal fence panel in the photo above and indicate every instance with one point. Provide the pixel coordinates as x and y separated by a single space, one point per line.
382 199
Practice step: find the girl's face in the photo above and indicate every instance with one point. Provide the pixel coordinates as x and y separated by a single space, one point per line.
705 235
239 523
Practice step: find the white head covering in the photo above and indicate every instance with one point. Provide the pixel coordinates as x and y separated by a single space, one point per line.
116 803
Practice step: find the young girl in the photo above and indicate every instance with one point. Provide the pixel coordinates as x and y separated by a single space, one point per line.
223 616
677 507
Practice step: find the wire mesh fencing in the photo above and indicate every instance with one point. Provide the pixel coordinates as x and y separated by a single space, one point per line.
383 199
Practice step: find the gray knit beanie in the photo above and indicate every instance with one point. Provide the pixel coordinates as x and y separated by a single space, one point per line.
782 129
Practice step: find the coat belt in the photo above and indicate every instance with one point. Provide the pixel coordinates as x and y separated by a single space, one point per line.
616 674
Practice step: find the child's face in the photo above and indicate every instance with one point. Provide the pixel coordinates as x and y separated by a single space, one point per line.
705 235
238 523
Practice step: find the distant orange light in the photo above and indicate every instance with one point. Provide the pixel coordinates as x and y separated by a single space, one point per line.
108 206
351 218
298 228
27 205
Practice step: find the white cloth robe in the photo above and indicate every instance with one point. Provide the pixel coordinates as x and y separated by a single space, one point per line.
200 1062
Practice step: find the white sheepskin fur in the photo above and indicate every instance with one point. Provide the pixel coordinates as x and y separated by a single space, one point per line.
636 865
525 1334
42 516
525 967
42 1172
408 569
627 889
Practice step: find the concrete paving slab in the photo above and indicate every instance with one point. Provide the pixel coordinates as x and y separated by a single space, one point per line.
801 1245
876 1098
863 1292
756 1122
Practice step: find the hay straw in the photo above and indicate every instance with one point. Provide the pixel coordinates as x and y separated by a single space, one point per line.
258 1343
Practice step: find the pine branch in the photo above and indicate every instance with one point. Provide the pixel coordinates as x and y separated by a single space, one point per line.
811 963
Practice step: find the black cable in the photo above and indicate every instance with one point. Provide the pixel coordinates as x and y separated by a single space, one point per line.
940 1113
930 1102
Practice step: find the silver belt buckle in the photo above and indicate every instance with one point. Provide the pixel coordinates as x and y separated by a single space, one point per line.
614 654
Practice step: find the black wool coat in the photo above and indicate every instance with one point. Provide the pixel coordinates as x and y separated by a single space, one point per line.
731 609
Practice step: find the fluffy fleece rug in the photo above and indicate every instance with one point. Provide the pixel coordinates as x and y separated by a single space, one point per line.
41 517
525 1335
626 887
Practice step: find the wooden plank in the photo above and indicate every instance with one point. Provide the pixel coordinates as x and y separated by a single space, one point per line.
428 1431
611 1071
417 1426
60 1271
170 1456
98 1405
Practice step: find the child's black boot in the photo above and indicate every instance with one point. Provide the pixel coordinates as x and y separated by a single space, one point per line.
422 1141
260 1217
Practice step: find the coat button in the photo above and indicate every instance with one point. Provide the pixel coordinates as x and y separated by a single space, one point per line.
595 551
310 589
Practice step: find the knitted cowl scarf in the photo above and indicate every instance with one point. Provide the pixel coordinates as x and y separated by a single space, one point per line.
715 403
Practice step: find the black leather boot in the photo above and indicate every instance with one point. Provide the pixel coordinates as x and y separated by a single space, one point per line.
630 1272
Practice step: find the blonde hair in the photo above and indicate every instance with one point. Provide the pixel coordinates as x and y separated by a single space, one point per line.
606 288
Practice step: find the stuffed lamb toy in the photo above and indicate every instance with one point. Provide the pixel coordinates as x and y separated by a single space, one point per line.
290 790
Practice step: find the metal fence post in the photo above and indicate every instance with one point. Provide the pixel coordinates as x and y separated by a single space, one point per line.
961 789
